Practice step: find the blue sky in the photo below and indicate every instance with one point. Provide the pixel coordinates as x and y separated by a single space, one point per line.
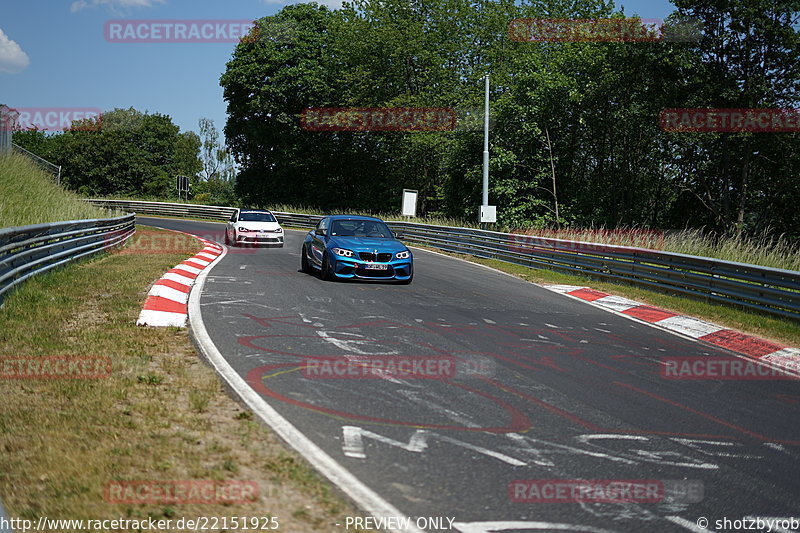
53 54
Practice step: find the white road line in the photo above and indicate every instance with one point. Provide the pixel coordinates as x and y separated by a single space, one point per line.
150 317
201 263
563 288
4 520
365 497
188 268
691 327
169 293
617 303
178 279
688 524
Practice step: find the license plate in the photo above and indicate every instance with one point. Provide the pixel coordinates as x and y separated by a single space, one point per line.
264 235
376 266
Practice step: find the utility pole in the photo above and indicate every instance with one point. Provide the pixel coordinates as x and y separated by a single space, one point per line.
488 213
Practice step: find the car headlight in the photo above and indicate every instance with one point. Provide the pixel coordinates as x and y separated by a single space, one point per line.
403 255
342 252
279 230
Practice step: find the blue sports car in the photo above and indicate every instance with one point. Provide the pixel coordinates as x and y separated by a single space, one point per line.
350 246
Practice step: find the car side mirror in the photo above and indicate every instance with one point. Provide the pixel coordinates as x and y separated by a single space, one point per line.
398 235
319 231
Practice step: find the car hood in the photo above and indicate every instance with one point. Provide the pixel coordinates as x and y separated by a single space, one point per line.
258 225
366 244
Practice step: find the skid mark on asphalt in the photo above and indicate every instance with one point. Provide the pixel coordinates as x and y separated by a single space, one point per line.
544 350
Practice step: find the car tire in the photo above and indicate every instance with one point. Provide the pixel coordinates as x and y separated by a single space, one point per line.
304 266
325 273
227 240
407 281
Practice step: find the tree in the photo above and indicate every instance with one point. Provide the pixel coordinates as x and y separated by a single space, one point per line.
576 124
746 59
216 159
215 184
126 152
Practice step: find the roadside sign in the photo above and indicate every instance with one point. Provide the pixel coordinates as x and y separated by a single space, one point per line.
488 213
183 185
409 203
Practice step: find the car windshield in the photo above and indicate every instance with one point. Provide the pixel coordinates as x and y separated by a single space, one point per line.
256 217
361 228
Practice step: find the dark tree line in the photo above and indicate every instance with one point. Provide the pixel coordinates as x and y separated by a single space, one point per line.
581 116
126 152
123 152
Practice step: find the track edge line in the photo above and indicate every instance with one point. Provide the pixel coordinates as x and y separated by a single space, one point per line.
363 496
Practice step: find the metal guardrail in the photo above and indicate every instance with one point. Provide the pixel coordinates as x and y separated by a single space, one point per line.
42 163
5 523
771 290
765 289
29 250
166 209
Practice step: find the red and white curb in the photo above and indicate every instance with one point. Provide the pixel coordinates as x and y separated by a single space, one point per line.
694 328
166 303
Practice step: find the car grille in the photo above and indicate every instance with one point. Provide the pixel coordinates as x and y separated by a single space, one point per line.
364 273
261 239
369 256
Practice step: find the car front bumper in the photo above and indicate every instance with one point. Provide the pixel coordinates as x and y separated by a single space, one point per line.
268 240
351 268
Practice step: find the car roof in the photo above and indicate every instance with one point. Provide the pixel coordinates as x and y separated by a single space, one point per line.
255 211
353 217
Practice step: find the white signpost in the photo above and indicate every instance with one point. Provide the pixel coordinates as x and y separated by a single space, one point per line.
8 118
183 186
409 203
489 213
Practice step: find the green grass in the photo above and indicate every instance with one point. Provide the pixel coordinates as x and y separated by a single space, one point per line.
763 249
162 414
30 196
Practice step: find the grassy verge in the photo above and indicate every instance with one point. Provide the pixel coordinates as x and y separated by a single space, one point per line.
771 328
762 249
161 415
30 196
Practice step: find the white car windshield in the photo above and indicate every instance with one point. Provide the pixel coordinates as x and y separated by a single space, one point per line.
250 216
360 228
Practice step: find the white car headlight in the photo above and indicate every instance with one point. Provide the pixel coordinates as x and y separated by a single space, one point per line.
279 230
403 255
242 228
342 252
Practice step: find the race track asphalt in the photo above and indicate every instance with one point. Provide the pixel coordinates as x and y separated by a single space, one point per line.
545 388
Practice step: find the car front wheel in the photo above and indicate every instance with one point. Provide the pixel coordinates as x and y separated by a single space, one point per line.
407 281
304 266
325 274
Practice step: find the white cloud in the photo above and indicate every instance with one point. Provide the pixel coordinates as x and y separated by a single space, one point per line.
113 5
12 58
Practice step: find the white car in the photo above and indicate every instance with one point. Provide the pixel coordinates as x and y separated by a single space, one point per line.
253 226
